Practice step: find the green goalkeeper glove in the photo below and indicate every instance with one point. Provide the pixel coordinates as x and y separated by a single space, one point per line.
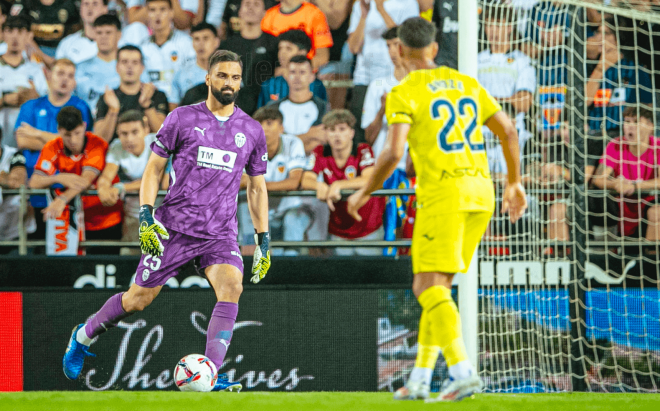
261 262
149 230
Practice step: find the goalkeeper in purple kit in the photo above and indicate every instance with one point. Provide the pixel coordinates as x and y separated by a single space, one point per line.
210 145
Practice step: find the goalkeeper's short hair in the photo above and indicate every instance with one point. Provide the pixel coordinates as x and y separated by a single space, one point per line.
416 33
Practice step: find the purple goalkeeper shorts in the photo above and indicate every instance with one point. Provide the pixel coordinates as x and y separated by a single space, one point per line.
180 249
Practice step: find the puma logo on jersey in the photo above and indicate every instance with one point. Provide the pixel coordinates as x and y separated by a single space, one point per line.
428 238
201 130
225 343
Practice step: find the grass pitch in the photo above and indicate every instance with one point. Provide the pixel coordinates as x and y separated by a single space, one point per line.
320 401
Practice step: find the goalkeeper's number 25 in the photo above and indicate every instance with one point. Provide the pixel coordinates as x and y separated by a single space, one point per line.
442 109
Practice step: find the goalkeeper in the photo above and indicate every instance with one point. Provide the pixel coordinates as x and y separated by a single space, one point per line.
210 144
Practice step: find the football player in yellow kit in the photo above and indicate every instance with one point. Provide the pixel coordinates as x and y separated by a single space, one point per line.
440 112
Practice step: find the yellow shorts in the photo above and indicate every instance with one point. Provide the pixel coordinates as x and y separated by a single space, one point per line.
445 243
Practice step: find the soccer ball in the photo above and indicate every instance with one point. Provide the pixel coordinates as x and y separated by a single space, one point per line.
195 372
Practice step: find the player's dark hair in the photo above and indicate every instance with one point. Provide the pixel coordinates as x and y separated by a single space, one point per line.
297 37
300 60
4 10
638 112
339 116
391 33
416 33
204 26
69 118
131 47
221 56
268 113
107 20
16 22
130 116
169 3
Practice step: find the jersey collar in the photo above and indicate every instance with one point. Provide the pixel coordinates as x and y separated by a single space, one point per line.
69 153
292 11
152 38
4 63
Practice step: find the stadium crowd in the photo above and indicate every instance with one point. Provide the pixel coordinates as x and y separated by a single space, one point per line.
85 85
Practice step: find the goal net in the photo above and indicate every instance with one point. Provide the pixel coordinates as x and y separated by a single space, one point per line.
569 298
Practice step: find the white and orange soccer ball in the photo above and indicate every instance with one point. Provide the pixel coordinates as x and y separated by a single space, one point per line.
195 372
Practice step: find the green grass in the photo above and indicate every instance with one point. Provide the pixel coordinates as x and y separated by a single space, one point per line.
320 401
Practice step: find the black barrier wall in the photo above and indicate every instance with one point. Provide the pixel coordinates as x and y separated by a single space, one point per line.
286 340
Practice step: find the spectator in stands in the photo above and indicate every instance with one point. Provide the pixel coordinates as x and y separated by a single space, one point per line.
4 9
288 218
300 15
127 158
374 122
20 79
195 95
496 161
369 21
75 159
167 50
51 21
345 166
290 44
12 175
445 18
35 125
185 13
506 73
615 82
546 163
302 111
132 94
81 45
205 41
231 21
258 51
341 59
99 72
630 167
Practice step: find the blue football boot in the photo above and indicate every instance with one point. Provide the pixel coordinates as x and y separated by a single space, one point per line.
222 383
75 354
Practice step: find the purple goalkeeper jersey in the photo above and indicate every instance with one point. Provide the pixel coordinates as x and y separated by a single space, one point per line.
208 158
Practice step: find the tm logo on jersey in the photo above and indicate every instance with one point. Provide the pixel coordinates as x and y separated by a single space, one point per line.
216 159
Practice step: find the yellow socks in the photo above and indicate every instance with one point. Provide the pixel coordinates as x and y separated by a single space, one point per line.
440 327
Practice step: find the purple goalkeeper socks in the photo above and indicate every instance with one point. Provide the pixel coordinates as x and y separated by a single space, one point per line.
221 328
107 317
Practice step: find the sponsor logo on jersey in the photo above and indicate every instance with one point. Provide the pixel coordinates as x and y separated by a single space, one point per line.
350 172
42 112
46 165
63 15
216 159
264 157
260 50
240 140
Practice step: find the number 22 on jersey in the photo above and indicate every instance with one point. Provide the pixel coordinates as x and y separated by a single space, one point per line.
454 133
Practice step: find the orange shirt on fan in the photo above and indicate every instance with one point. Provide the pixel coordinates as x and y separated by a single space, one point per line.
55 158
307 18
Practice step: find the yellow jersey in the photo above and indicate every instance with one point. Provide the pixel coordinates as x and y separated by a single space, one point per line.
446 111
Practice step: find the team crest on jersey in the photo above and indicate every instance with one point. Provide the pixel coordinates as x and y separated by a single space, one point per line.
350 172
174 56
240 139
281 168
510 60
46 165
63 15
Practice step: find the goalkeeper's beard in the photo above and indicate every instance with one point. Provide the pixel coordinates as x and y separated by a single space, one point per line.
224 98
